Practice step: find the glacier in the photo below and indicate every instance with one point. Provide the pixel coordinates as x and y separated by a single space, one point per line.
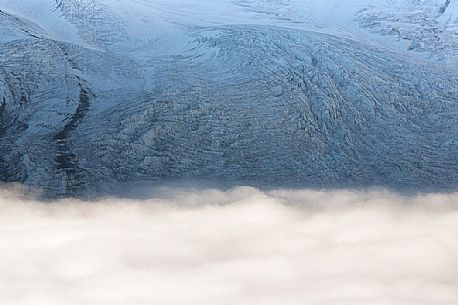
97 93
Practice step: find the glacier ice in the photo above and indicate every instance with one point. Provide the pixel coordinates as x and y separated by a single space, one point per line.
113 98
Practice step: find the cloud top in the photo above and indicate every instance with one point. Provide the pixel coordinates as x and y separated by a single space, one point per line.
241 246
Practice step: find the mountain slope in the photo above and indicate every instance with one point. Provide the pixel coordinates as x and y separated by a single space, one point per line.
250 104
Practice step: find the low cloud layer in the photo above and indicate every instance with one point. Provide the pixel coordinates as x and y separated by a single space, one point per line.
242 246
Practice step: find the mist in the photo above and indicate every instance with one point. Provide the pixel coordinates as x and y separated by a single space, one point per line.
186 245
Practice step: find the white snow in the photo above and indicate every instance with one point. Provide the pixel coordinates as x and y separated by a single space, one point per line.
42 12
160 24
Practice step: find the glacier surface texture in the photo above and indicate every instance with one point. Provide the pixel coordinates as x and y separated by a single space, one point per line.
95 93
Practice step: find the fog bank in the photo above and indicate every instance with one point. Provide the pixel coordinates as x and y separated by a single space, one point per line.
241 246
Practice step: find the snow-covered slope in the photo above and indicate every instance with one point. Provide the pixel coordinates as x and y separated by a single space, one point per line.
426 27
98 92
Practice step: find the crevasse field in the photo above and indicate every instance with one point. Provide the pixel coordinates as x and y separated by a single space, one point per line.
228 152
